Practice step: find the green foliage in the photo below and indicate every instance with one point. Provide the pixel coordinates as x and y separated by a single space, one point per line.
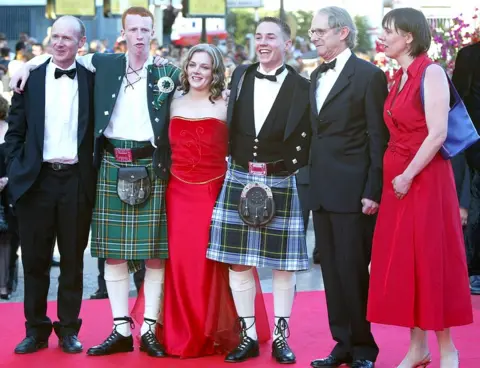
242 21
364 42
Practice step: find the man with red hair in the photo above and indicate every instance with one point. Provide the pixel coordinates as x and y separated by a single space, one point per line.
132 154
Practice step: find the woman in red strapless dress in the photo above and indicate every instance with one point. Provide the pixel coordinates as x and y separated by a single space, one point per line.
199 315
418 273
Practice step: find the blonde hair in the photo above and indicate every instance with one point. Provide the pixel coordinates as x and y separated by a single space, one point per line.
218 70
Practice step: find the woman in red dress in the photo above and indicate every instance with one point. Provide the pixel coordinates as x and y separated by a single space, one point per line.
198 310
418 273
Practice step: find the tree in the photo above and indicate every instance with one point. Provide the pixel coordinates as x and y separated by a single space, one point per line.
364 42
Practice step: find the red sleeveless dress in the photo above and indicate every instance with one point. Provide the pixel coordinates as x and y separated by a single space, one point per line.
199 315
418 274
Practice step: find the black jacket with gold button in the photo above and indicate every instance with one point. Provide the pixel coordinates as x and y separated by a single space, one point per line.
286 132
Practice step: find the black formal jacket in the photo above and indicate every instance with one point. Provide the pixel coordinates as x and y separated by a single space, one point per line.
466 78
461 173
349 138
297 132
26 130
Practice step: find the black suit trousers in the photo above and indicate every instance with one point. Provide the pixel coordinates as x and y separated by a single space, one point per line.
344 242
55 205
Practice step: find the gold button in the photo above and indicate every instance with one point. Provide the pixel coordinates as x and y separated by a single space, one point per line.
299 148
294 160
255 154
304 134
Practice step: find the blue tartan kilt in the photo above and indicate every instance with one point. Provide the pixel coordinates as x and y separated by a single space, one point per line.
279 245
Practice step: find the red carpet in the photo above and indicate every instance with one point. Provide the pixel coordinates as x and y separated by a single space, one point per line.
310 338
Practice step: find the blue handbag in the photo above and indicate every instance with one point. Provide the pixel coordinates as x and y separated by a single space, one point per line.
461 132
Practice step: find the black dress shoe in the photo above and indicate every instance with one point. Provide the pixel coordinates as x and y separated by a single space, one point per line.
151 346
70 344
329 362
31 344
248 348
363 363
99 294
115 343
282 352
5 296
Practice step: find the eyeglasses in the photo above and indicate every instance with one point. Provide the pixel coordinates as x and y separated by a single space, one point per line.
318 32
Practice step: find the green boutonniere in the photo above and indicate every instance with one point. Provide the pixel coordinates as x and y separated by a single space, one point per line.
163 83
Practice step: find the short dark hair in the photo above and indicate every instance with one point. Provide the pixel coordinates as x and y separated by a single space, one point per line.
412 21
284 27
3 108
4 52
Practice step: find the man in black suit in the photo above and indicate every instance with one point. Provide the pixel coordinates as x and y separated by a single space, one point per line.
466 78
348 142
52 184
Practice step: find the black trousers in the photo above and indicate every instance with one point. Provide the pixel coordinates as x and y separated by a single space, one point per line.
344 242
472 231
55 205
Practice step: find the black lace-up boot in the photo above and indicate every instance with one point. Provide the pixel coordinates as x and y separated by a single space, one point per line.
116 342
248 348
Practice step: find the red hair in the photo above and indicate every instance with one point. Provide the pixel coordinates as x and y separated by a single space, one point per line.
137 10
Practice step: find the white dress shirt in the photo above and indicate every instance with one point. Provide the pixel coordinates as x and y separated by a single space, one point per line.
61 117
130 119
328 79
264 95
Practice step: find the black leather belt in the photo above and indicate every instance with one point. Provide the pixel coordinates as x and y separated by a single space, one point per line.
273 168
129 154
59 166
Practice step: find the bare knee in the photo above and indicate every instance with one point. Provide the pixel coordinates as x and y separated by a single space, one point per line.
115 261
240 268
155 263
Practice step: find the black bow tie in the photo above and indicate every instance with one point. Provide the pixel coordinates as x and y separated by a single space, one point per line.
69 73
272 78
326 66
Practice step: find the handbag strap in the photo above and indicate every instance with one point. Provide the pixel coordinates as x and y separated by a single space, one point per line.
453 90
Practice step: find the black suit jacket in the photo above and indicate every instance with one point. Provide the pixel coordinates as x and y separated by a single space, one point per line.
26 131
466 78
349 139
462 179
297 132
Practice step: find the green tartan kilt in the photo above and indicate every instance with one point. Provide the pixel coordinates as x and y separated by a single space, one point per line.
122 231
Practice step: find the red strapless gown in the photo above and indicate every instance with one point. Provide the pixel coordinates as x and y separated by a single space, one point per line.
198 312
419 274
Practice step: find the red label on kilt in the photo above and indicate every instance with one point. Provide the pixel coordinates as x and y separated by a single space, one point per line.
257 168
123 154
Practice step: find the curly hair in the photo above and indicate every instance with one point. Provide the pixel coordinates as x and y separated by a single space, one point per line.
3 108
218 70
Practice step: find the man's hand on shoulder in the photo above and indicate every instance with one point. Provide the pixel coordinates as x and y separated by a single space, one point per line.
160 61
19 79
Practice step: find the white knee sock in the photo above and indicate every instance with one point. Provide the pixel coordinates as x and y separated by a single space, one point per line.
118 287
243 292
153 289
283 294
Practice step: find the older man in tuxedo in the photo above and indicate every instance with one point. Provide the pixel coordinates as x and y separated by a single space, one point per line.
52 184
348 142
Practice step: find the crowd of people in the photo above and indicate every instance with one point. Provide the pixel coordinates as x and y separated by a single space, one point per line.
194 147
